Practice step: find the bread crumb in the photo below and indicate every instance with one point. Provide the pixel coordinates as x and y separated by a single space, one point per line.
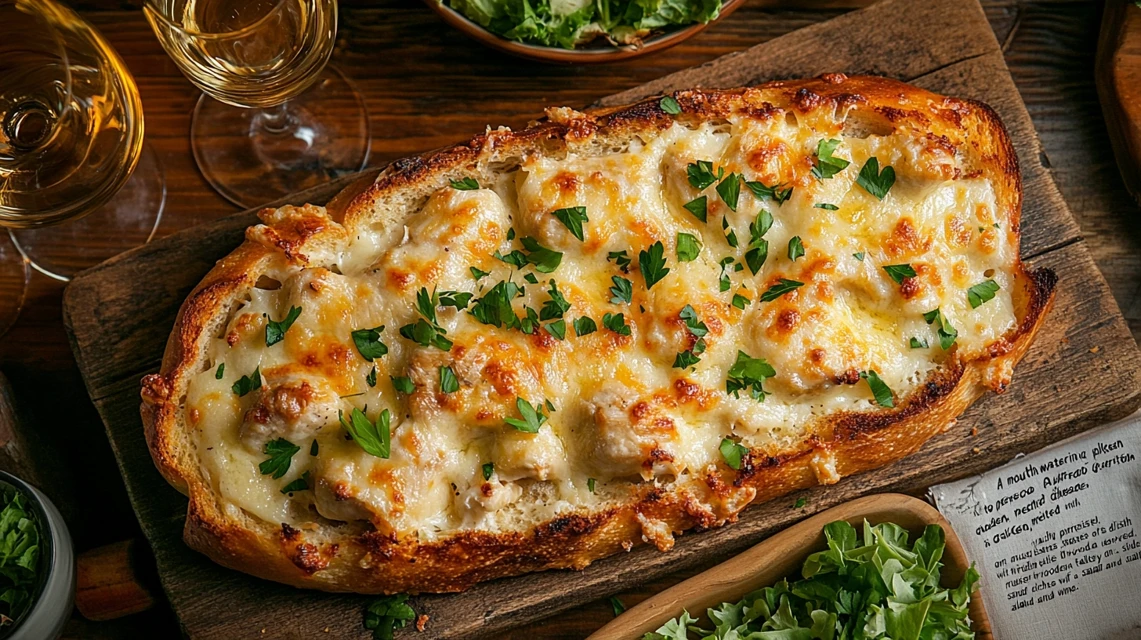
976 450
1094 349
974 431
421 621
326 629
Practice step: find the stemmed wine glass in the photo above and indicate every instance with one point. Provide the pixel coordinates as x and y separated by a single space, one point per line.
71 150
273 119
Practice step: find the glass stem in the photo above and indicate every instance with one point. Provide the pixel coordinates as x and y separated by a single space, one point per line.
276 120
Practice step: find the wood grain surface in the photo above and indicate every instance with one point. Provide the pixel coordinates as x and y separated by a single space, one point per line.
426 86
1082 371
1119 86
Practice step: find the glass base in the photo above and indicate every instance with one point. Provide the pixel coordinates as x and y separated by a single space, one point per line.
127 221
255 156
14 274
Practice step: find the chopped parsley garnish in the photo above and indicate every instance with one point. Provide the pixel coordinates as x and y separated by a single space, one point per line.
774 192
555 306
572 218
530 321
488 470
699 207
982 292
616 322
246 384
800 503
368 341
899 271
300 484
652 263
828 165
697 329
466 184
688 248
873 181
795 248
685 360
314 448
384 616
617 606
370 379
280 452
879 388
478 274
533 417
692 322
620 258
827 206
740 301
748 373
701 174
557 328
758 247
516 258
448 381
731 235
730 190
511 234
373 438
725 282
275 331
530 277
550 405
622 291
494 307
777 290
733 453
220 372
545 260
947 333
403 384
457 299
584 326
425 331
916 343
859 256
669 105
590 484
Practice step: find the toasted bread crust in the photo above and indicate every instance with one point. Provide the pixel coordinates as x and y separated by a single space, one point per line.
369 562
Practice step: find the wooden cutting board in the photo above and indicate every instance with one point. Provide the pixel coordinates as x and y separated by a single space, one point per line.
1083 370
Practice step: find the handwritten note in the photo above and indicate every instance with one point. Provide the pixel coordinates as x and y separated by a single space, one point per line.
1055 537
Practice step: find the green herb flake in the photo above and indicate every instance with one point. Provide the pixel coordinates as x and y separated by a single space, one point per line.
701 174
777 290
730 190
800 503
685 360
947 333
275 330
774 193
558 329
280 452
873 181
670 105
313 449
403 384
758 250
795 248
590 484
617 606
555 306
300 484
385 615
584 326
478 274
916 343
220 372
652 263
826 206
621 259
368 342
898 272
740 301
616 322
828 165
879 388
622 292
448 381
532 417
748 373
572 218
734 453
370 379
375 439
488 470
688 247
494 308
699 207
859 256
457 299
544 260
982 292
465 184
246 384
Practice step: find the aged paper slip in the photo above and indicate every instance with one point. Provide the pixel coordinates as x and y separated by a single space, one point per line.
1054 537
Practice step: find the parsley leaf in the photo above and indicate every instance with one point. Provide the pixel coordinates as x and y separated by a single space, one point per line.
370 379
795 248
457 299
530 277
916 343
899 271
622 291
947 333
879 388
590 484
448 381
859 256
300 484
740 301
800 503
368 343
557 328
494 307
556 306
488 470
533 417
313 448
688 248
373 438
616 323
220 372
275 331
584 326
669 105
246 384
730 190
280 454
652 264
516 258
685 359
828 165
545 260
572 218
620 258
873 181
529 322
701 174
826 206
692 322
403 384
733 453
387 614
466 184
758 250
779 289
725 262
748 373
426 335
478 274
982 292
617 606
778 195
699 207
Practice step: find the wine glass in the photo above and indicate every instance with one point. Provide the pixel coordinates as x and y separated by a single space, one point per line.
273 119
71 150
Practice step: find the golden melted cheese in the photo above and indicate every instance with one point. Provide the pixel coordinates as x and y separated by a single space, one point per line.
623 415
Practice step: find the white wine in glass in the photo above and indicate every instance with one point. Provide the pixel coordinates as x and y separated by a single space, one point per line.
274 119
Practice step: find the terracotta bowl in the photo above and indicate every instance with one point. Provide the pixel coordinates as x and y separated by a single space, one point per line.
593 53
783 554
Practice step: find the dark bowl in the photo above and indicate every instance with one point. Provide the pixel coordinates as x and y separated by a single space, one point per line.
590 54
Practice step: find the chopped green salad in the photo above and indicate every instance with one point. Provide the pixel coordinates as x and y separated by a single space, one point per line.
880 588
567 23
19 555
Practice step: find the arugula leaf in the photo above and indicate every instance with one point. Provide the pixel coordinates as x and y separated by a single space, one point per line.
246 384
403 384
669 105
699 207
300 484
622 291
873 181
387 614
688 248
774 193
220 372
982 292
701 174
584 326
827 165
730 190
733 453
448 381
899 271
880 390
748 373
616 323
652 264
280 454
275 331
368 343
572 218
488 470
375 439
465 184
478 274
947 333
777 290
620 258
533 417
795 248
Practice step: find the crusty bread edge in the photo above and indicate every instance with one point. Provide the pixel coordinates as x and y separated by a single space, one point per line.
372 563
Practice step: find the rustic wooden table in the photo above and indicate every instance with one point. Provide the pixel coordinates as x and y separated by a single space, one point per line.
427 86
